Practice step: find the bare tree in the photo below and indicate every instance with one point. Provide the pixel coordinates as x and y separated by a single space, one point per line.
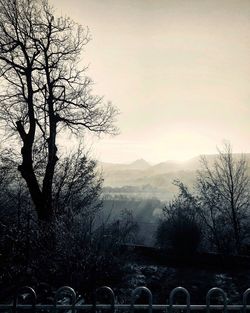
77 185
223 190
44 90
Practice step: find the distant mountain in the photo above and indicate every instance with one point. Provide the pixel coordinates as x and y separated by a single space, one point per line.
152 179
139 164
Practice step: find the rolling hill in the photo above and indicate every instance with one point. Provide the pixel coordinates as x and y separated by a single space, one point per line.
139 178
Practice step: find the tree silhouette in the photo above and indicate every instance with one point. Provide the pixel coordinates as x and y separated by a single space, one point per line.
44 90
223 195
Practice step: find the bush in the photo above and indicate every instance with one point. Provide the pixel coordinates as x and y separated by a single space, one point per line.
182 234
180 228
80 247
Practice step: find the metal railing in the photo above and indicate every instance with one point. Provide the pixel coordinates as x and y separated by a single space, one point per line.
169 307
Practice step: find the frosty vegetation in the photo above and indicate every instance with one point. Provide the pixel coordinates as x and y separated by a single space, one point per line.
215 216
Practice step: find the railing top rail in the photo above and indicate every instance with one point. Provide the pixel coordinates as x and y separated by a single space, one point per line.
74 304
193 307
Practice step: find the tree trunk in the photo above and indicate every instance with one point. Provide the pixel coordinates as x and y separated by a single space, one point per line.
44 211
42 199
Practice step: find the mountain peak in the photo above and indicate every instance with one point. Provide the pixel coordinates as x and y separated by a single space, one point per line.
139 164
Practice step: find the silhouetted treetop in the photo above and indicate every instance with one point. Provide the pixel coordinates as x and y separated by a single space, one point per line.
44 88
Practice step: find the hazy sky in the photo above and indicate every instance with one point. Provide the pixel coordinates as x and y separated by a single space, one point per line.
179 72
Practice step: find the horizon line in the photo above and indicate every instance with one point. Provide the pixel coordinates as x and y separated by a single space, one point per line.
168 160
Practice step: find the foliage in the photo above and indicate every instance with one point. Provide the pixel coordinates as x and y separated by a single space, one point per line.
78 248
77 184
219 205
179 229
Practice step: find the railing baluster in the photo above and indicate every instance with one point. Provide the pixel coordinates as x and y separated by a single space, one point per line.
135 292
68 290
28 290
111 294
216 290
172 294
245 296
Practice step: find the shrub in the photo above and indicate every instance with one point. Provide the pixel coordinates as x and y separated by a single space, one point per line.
182 234
180 228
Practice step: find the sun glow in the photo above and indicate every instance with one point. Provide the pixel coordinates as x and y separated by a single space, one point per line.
178 72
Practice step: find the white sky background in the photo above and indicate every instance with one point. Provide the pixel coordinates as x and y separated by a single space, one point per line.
179 72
